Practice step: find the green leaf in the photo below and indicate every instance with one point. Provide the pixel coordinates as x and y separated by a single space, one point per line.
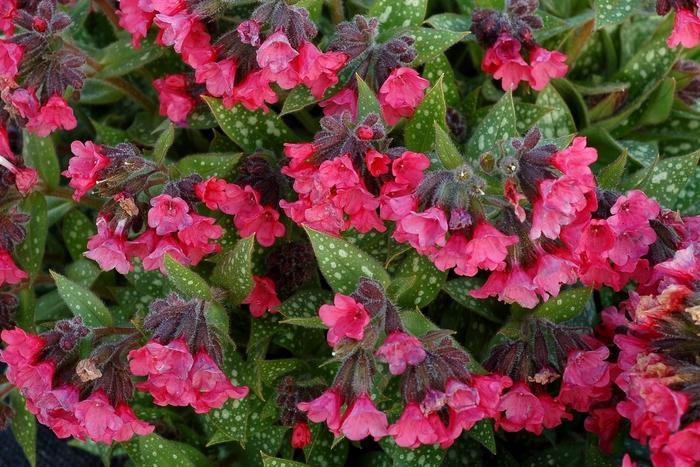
432 42
209 164
610 12
669 177
108 135
99 92
562 455
658 107
418 135
163 143
269 461
234 271
155 451
321 452
120 58
611 175
41 154
559 121
446 150
366 100
394 14
82 302
428 280
483 433
304 303
297 99
185 280
343 264
565 306
24 427
529 115
450 21
272 370
498 125
250 130
312 322
689 198
30 253
83 271
77 229
440 67
424 456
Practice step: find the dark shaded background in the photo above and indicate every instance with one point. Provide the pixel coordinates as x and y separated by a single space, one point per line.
51 452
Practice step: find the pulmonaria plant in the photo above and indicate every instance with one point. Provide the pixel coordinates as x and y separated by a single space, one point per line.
335 233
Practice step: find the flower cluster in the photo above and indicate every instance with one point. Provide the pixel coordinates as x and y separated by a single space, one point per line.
507 37
34 74
686 26
344 181
173 225
44 370
273 47
657 336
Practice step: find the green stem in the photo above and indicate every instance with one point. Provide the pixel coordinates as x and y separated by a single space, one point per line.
337 12
133 92
65 193
109 12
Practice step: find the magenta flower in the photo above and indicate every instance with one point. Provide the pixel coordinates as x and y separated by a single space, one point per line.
345 318
176 103
401 94
53 115
546 65
301 435
104 423
338 173
168 214
135 20
325 408
265 225
84 167
408 169
487 249
263 297
55 409
249 32
196 237
9 272
377 163
514 286
218 77
317 70
504 62
413 428
423 230
253 92
276 53
109 248
344 100
686 30
211 387
362 419
521 409
10 58
400 349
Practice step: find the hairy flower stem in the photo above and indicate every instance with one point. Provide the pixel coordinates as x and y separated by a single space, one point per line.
65 193
109 12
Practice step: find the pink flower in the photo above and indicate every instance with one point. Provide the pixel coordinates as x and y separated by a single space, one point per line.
196 237
168 214
554 411
8 10
521 410
408 169
298 154
401 93
84 167
108 248
174 28
55 409
155 258
25 102
514 286
632 211
345 318
249 32
276 53
325 408
211 387
400 349
546 65
627 461
377 163
344 100
9 272
10 58
175 101
301 435
424 231
461 397
253 92
241 202
213 192
104 423
413 428
653 409
686 30
167 368
317 70
490 388
265 225
22 348
196 48
605 422
338 173
452 255
25 177
487 249
504 62
552 271
586 378
218 76
263 297
53 115
362 419
682 448
134 20
558 203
